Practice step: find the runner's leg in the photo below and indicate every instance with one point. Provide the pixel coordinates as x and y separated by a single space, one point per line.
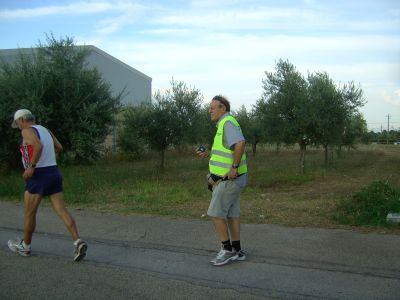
31 202
57 200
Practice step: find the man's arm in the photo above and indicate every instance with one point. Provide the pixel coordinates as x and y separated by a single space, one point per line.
238 151
234 139
30 137
57 145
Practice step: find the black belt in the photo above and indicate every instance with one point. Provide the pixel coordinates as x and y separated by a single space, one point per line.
216 177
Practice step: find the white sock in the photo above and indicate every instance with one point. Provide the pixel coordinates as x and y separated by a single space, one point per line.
76 242
27 247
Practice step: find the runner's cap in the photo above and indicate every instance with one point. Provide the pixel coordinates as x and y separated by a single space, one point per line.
19 114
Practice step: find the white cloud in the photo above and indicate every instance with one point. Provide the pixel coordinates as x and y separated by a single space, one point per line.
234 18
176 32
70 9
229 51
392 97
110 25
225 46
77 8
214 16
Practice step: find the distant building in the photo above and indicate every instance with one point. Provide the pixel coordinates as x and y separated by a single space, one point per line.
120 75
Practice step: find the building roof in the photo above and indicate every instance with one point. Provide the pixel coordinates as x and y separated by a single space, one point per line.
28 51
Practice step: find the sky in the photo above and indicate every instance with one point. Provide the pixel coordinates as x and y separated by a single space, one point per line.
225 47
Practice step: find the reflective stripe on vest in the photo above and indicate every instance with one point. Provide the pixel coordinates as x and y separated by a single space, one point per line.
222 158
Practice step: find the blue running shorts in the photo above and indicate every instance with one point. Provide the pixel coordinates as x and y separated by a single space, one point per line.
45 181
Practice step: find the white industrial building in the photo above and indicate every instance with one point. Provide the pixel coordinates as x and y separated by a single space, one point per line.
136 85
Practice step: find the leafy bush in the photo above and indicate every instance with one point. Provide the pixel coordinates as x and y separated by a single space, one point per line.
55 82
173 119
369 206
130 138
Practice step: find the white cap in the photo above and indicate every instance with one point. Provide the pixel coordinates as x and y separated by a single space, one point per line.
19 114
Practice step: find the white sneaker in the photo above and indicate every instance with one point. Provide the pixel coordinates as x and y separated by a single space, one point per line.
223 257
241 255
18 247
80 250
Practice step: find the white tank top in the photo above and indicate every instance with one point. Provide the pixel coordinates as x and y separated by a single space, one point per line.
48 157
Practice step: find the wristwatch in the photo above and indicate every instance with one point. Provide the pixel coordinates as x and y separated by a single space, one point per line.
235 166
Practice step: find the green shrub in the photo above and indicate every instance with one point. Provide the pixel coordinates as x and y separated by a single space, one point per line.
67 96
369 206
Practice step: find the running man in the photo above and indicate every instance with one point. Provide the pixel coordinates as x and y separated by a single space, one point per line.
42 178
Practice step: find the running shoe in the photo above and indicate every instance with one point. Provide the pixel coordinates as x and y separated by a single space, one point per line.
223 257
18 247
241 255
80 250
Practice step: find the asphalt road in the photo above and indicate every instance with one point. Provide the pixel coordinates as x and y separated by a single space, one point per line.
143 257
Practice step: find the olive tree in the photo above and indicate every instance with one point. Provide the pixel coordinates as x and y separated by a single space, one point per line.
66 95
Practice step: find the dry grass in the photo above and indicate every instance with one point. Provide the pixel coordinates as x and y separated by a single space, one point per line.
312 203
276 193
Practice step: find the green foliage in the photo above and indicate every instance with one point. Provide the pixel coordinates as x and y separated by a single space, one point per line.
285 95
384 137
206 129
267 114
369 206
22 84
251 127
172 119
329 112
130 140
163 128
353 97
187 102
355 130
284 109
66 96
293 110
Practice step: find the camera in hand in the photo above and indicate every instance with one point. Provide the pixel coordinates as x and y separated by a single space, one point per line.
201 149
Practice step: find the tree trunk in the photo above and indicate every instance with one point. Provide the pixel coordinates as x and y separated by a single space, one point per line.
278 145
254 147
326 155
339 151
302 157
162 159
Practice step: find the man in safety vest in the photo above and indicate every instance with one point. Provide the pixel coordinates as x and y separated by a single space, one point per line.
227 178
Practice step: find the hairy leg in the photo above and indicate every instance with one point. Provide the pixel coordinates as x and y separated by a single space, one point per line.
31 202
57 200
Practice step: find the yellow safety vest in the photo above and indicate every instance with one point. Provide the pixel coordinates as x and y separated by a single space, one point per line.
221 159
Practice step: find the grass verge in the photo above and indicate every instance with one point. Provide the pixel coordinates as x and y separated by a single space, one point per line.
370 205
276 193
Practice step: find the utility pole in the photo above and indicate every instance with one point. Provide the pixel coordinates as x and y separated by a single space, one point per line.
387 133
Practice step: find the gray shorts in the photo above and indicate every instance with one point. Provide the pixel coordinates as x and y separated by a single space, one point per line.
225 201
